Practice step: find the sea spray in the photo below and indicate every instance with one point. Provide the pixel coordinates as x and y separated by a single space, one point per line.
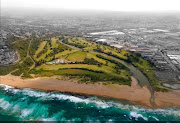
28 104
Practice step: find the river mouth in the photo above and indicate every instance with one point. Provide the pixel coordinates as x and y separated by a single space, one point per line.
141 78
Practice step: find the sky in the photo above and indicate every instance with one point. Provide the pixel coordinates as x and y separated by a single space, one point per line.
107 5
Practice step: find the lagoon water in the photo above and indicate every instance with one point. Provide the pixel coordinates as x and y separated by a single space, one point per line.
31 105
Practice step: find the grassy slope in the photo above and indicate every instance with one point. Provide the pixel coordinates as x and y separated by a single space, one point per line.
93 67
94 72
40 47
91 55
23 68
49 49
143 65
77 56
21 46
64 53
85 75
44 55
90 46
54 44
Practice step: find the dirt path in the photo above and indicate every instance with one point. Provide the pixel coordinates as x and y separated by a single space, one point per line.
34 63
27 53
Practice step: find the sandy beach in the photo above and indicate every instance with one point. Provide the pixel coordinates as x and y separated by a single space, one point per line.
134 93
169 99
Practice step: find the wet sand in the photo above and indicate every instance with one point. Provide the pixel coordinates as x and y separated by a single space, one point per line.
134 93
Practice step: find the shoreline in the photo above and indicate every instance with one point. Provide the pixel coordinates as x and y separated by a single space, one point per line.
133 93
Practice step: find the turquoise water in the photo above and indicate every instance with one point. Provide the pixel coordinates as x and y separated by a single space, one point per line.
28 104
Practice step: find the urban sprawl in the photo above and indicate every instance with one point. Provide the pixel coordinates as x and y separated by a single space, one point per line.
160 46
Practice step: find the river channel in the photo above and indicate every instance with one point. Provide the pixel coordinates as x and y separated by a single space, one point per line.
142 79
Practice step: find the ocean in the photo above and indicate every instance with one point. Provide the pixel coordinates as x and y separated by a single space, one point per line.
32 105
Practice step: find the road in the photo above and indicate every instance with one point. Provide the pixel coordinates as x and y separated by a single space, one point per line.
173 67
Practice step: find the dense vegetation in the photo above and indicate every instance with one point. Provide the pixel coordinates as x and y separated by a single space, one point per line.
91 61
89 67
49 50
21 45
23 68
34 45
119 65
129 57
85 75
6 69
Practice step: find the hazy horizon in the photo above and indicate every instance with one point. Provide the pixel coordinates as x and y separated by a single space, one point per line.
95 5
41 12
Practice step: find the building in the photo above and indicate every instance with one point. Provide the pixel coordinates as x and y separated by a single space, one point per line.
179 77
58 61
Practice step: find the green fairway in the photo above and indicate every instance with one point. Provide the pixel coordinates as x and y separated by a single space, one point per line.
92 67
45 51
40 48
53 42
91 55
90 46
82 58
85 75
77 56
64 53
51 49
132 58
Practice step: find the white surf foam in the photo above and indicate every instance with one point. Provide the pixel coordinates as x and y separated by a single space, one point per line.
4 104
136 116
94 100
155 118
6 87
26 112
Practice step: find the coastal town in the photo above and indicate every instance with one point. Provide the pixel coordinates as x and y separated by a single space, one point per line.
90 61
160 46
163 58
166 58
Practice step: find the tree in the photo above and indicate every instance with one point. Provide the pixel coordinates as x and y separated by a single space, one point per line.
106 63
54 57
99 64
118 71
126 54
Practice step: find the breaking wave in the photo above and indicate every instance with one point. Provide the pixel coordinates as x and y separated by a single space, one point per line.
28 104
